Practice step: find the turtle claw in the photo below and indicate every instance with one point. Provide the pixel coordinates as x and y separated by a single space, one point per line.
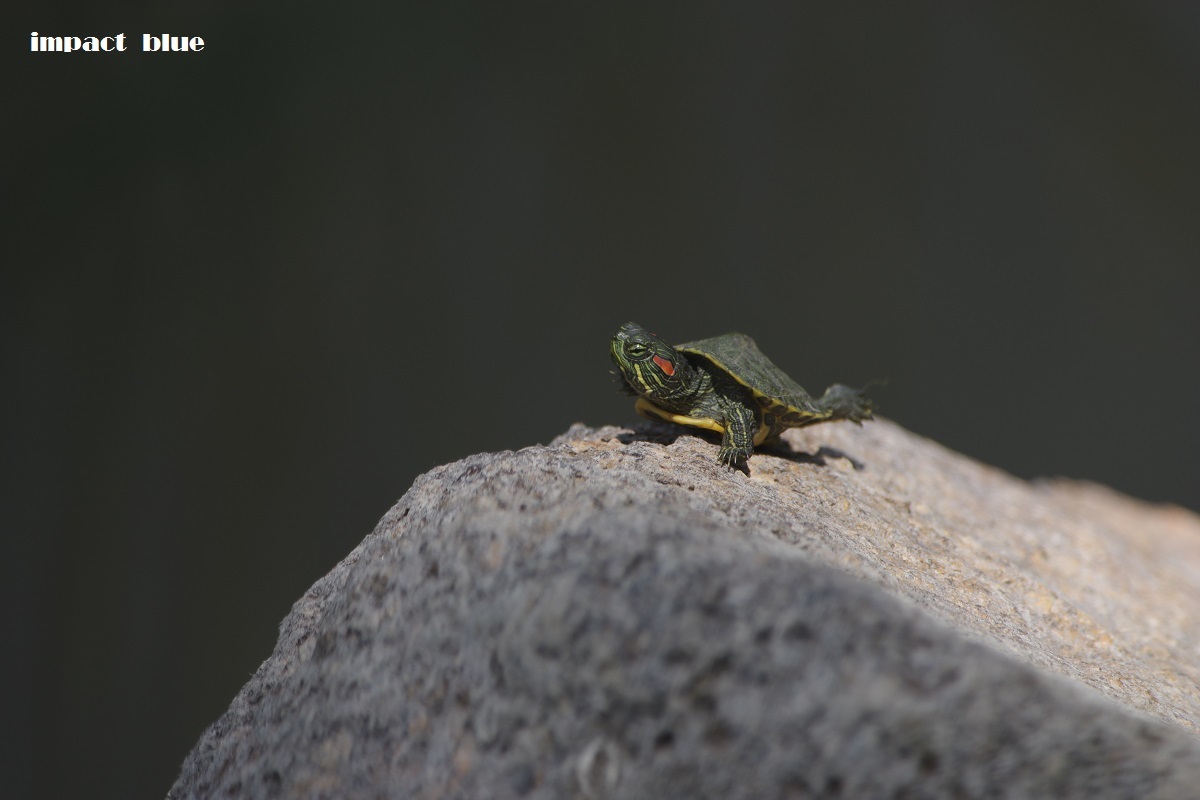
734 456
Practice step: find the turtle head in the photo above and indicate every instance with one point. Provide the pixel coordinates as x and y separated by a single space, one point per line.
651 367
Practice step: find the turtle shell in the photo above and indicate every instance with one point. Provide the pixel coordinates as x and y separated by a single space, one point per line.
784 402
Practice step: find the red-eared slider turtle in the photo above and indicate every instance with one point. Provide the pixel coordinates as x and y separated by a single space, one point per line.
724 384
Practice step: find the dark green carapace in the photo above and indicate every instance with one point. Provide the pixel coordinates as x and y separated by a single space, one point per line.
724 384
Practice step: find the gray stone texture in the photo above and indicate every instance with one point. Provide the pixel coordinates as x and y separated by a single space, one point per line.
863 615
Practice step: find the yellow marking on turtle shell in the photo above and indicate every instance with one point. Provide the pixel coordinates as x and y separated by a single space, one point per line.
650 411
771 403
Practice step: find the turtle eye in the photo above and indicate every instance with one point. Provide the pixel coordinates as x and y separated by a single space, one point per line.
636 350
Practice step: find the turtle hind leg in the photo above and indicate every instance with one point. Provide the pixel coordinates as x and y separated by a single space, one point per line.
737 443
842 402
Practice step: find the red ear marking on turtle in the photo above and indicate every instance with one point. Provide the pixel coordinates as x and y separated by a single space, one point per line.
665 365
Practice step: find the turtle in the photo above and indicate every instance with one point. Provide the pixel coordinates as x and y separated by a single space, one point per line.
724 384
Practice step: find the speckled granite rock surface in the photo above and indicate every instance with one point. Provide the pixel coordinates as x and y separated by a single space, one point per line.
615 615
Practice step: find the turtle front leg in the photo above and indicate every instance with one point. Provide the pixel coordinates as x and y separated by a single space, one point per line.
741 423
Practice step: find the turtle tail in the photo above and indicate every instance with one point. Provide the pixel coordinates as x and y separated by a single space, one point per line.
845 403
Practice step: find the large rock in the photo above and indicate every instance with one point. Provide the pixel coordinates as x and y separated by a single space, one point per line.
615 615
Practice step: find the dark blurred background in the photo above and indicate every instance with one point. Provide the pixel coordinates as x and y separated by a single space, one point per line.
249 294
